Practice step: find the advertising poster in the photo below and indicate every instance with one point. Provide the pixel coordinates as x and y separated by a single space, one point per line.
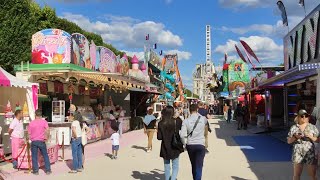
108 63
238 74
93 55
51 46
52 153
80 51
97 64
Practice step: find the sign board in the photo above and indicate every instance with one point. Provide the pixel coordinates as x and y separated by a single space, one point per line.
301 44
51 46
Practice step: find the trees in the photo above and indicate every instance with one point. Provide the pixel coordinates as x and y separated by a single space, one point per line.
20 19
17 26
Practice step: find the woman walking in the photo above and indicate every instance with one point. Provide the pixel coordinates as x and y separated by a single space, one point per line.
167 127
303 135
150 126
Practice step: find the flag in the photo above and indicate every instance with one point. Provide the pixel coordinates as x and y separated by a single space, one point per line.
155 46
301 3
225 58
283 13
249 50
240 54
160 53
147 37
249 59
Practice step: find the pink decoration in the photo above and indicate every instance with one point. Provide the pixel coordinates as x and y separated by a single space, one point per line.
125 56
143 67
134 60
4 81
35 96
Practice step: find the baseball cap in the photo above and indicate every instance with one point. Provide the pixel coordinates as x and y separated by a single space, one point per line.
302 112
149 108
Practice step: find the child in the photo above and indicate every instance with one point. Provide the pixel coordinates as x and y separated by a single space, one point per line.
115 142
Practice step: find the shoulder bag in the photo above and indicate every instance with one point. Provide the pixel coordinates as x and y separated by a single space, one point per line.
194 127
176 139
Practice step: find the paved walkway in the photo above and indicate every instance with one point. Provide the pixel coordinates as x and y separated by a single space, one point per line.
225 161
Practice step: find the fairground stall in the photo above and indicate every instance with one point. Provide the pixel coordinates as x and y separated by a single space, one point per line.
70 70
265 102
15 94
301 78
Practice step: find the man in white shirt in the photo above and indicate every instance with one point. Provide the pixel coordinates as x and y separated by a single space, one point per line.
193 130
16 133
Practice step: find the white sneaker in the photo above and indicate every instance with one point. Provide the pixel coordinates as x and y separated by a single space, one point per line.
148 150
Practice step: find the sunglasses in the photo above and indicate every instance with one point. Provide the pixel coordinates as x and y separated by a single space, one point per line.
304 116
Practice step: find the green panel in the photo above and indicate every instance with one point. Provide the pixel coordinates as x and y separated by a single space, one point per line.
226 81
236 75
48 67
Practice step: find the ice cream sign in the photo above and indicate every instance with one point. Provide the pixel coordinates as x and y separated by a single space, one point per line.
51 46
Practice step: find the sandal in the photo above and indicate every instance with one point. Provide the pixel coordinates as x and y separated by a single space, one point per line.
73 171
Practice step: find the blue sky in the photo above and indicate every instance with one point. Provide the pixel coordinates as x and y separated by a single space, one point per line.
179 26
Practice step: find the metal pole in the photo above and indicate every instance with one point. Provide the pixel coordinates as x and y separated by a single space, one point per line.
62 146
28 155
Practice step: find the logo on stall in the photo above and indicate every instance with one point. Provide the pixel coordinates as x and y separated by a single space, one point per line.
300 45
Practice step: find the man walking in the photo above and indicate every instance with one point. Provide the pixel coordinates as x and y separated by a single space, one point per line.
204 112
17 134
193 130
39 131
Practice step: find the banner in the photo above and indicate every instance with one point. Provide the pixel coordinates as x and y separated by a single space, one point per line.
108 61
283 13
23 159
80 51
51 46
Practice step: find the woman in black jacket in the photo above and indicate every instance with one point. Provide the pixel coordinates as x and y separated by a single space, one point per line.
166 129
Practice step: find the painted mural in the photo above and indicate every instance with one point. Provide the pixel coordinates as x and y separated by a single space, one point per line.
80 51
108 62
124 65
97 65
93 55
238 76
51 46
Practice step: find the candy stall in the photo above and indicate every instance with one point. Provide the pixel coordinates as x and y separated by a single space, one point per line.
13 92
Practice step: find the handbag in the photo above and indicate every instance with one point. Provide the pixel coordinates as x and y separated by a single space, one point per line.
84 139
176 140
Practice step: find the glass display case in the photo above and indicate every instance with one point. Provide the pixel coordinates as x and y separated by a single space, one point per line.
58 111
87 113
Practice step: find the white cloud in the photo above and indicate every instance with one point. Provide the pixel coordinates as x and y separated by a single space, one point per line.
182 55
294 11
261 29
187 81
126 31
140 55
265 48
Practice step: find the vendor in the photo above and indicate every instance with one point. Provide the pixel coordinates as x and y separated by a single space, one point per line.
98 111
17 134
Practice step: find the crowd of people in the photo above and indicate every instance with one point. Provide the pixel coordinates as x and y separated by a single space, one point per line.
180 130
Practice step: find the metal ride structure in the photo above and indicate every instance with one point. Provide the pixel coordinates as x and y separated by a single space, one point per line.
171 77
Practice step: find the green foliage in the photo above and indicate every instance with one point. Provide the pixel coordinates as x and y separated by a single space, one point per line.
17 26
20 19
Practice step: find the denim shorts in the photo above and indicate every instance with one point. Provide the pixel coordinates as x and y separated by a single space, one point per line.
115 147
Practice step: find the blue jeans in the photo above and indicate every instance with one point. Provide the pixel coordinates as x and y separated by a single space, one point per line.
196 156
35 146
175 168
76 153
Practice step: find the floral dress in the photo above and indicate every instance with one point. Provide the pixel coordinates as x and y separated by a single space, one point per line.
304 148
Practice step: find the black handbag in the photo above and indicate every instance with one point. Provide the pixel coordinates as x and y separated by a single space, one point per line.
176 140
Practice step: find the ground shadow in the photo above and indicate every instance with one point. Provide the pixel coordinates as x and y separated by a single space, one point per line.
139 147
108 155
155 174
237 178
69 163
282 170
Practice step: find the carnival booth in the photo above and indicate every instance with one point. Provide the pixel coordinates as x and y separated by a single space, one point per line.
71 70
23 95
